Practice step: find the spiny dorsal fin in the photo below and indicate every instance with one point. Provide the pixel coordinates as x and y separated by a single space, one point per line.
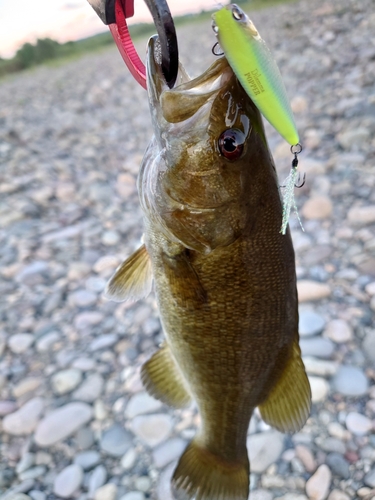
133 279
288 406
162 379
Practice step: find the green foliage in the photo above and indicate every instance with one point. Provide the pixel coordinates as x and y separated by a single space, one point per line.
44 49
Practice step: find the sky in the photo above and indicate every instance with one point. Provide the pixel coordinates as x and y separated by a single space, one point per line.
24 21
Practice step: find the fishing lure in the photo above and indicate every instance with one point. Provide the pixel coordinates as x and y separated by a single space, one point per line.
256 69
291 182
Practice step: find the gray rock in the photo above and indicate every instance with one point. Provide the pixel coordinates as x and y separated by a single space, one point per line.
106 492
65 381
97 478
369 478
317 346
37 495
152 429
23 487
24 420
164 486
358 424
68 481
87 459
310 322
82 298
369 345
88 319
319 388
140 404
320 367
7 407
339 331
103 342
143 483
350 381
115 441
134 495
90 389
45 343
27 386
85 438
26 462
168 451
20 342
62 423
33 274
331 444
317 487
33 472
129 459
338 465
264 449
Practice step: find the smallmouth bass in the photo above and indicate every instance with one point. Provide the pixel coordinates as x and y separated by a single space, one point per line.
224 276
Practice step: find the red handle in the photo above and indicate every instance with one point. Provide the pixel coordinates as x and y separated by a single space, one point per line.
121 36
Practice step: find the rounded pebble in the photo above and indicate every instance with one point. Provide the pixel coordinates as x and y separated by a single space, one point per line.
62 422
20 342
24 420
66 380
358 424
68 481
152 429
350 381
310 322
115 441
317 487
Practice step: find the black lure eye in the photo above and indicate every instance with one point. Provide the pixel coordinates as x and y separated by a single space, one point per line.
237 13
231 144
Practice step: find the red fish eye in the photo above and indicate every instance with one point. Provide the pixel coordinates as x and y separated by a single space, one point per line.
231 144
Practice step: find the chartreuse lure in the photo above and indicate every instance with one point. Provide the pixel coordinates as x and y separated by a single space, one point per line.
256 69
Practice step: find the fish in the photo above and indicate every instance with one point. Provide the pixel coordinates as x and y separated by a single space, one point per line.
256 68
224 276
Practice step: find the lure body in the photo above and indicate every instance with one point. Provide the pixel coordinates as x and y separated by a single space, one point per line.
256 69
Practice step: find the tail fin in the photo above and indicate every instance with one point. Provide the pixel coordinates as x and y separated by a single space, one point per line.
204 476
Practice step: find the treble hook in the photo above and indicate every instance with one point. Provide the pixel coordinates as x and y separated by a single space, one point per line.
300 184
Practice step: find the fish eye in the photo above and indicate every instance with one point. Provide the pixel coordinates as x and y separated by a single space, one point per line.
237 13
231 144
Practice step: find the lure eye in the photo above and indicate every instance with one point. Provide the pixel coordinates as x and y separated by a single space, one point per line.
237 13
231 144
215 28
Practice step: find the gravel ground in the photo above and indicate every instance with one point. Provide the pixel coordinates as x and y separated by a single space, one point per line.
75 421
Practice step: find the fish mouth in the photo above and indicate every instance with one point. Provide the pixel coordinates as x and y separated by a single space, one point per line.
188 96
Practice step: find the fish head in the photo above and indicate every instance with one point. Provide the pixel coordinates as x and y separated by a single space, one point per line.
201 177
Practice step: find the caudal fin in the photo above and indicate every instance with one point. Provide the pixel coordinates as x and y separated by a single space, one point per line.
204 476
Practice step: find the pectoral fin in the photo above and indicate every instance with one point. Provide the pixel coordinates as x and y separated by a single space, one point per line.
133 279
288 405
163 380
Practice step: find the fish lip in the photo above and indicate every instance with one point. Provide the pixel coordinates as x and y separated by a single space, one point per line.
156 82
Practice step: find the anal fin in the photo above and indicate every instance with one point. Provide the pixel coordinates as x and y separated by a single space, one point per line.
133 279
288 405
163 380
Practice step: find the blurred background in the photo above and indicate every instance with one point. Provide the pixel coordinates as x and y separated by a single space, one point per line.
75 421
